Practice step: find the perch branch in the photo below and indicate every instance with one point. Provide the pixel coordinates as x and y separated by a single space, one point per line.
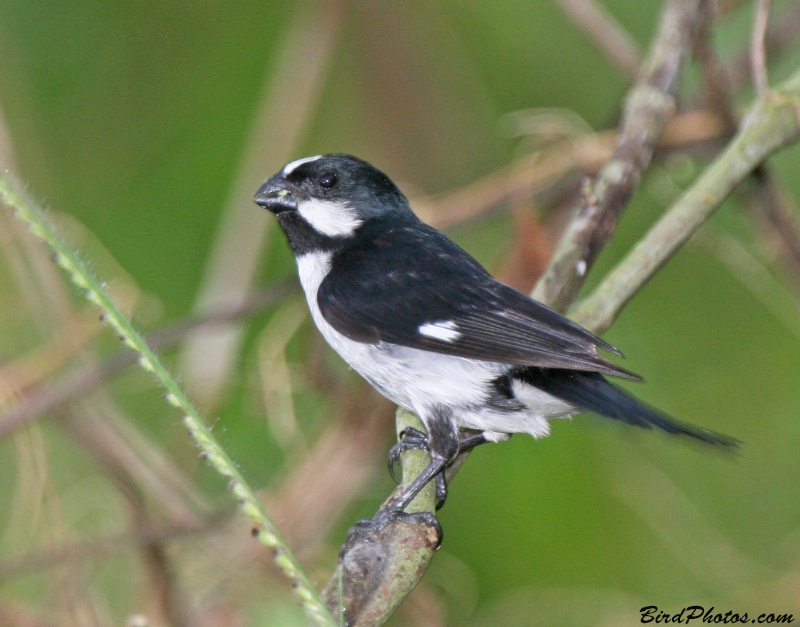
380 566
781 36
716 83
776 217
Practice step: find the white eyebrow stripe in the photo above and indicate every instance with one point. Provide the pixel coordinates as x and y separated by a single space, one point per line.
444 330
291 167
334 219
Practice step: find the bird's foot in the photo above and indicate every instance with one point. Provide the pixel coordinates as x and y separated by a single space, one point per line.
414 440
410 440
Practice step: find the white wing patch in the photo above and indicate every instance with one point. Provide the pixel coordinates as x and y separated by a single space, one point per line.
291 167
328 217
444 330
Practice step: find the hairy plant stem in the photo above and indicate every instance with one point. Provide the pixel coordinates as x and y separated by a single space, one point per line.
268 534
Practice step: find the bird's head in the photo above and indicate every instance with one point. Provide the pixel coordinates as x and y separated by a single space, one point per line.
324 200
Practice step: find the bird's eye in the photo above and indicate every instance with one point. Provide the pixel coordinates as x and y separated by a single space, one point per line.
328 180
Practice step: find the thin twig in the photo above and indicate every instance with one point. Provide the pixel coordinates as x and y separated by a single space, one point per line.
171 601
777 220
534 174
758 55
609 35
781 36
101 547
31 369
152 476
648 105
716 82
769 206
772 124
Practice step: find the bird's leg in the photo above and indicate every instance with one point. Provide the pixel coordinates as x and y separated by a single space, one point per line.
470 442
433 470
442 445
410 440
464 444
393 513
413 439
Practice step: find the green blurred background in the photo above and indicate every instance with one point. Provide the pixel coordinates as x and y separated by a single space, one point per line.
146 126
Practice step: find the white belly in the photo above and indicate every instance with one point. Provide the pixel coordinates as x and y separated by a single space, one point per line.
412 378
419 380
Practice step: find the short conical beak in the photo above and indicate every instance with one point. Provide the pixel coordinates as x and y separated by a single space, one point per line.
275 196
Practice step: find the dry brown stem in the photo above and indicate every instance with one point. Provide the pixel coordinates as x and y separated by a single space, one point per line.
647 107
758 55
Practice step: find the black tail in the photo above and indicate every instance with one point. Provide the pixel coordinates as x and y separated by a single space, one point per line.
592 392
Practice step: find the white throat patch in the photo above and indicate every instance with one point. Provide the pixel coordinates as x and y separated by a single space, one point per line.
329 217
291 167
313 268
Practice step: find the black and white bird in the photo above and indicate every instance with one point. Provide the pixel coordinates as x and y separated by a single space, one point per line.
429 328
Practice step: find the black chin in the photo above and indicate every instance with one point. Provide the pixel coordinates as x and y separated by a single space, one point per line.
303 239
281 207
276 205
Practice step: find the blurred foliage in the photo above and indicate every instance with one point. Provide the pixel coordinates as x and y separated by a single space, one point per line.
132 120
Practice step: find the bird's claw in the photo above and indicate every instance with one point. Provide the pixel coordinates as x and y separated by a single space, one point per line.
410 440
414 440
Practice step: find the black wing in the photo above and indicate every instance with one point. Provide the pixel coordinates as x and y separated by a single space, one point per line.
414 287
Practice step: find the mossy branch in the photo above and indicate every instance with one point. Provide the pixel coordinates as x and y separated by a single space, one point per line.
268 534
